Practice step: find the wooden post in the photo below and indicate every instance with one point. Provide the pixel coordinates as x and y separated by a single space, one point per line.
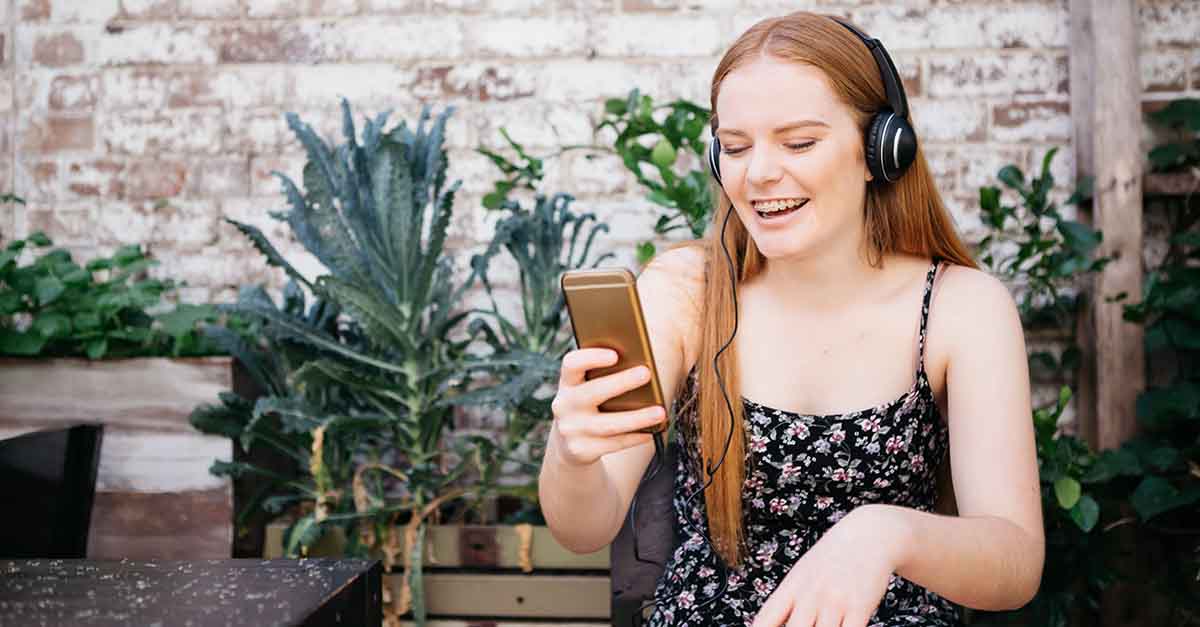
1107 120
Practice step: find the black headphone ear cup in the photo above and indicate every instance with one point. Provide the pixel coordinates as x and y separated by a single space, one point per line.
714 159
903 142
871 152
891 146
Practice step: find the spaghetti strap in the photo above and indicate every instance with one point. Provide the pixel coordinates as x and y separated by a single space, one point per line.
933 268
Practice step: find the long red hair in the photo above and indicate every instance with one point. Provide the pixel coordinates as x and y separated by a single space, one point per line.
907 216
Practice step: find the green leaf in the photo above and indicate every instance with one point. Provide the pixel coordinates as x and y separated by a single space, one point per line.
1046 159
10 302
264 246
382 321
49 288
1164 458
989 198
184 318
1156 495
7 257
1170 156
77 278
52 325
1183 112
1067 491
1113 463
614 106
493 200
96 348
1011 176
24 344
663 155
645 252
1079 237
226 419
303 535
128 255
39 238
1086 513
99 264
1158 406
85 321
1064 396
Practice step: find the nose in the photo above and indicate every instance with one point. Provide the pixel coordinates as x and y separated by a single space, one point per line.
764 168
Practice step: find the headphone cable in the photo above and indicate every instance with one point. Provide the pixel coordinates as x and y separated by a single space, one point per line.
711 469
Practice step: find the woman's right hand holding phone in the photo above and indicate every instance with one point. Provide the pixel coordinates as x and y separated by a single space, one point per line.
581 433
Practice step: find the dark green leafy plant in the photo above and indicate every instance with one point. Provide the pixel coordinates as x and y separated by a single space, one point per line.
649 143
1034 247
1163 460
525 174
357 397
1104 509
525 354
53 307
1182 118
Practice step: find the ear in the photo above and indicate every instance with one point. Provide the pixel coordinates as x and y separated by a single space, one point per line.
869 176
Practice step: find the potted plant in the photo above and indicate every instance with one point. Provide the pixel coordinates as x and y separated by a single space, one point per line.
362 369
78 343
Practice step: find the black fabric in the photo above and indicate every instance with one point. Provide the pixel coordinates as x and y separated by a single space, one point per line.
633 581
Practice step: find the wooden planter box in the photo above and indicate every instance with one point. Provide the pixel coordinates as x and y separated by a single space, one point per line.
1170 184
155 498
474 572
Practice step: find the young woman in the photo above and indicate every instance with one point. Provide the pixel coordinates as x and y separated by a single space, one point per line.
871 357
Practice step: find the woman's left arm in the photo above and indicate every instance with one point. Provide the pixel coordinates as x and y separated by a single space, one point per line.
990 556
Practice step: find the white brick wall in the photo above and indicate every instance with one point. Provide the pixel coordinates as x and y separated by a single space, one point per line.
109 106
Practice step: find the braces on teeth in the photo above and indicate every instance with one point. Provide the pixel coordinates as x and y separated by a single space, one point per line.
777 205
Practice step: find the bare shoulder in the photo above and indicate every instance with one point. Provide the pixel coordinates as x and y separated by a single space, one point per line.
678 272
671 289
971 302
685 262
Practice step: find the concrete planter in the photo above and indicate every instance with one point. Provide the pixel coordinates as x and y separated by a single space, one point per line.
155 498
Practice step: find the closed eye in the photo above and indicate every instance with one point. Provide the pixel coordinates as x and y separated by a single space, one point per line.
796 147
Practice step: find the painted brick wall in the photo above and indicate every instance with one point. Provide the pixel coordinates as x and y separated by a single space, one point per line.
145 121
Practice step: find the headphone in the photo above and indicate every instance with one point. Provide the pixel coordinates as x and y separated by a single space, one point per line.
891 141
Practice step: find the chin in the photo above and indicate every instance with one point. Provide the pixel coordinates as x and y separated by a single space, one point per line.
796 238
782 250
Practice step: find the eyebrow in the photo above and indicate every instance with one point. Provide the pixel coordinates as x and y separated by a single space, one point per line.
781 129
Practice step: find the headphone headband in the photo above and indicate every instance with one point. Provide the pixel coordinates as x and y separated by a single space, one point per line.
892 85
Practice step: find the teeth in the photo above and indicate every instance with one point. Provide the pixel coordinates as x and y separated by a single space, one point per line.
778 205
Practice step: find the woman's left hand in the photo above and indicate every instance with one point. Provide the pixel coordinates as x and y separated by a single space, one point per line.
840 581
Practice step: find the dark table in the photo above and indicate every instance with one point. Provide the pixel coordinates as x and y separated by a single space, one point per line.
260 593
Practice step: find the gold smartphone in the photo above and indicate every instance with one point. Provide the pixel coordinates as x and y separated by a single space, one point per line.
606 313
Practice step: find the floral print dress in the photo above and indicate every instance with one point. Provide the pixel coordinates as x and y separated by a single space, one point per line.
804 473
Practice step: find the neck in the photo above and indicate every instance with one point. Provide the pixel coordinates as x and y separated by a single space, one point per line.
827 279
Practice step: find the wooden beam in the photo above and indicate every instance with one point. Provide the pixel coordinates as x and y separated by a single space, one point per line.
1106 116
155 498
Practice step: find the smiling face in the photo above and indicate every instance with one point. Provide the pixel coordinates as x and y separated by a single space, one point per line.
792 159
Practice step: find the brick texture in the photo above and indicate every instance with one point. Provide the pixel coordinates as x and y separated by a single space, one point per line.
149 120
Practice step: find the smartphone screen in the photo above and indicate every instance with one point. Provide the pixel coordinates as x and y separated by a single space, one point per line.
605 312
